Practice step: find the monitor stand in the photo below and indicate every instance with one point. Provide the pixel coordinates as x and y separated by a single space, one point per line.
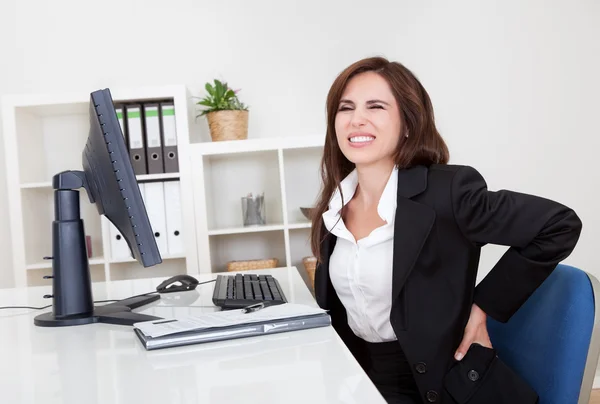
71 282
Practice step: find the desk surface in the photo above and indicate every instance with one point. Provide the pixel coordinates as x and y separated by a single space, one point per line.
103 363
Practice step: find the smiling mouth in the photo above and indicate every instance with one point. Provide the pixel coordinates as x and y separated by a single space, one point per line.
362 139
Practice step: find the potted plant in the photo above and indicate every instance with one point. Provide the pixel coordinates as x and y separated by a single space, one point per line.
227 116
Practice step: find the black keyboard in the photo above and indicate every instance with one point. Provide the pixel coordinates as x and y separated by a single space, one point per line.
241 290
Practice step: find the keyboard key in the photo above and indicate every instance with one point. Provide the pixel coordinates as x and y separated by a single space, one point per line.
265 288
239 287
247 290
256 289
230 288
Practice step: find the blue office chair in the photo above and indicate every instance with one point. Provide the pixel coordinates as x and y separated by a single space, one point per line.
553 340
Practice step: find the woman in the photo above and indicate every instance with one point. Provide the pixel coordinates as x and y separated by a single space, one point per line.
397 233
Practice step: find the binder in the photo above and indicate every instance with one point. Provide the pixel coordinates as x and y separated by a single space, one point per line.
154 150
170 155
120 110
154 199
121 116
229 325
135 132
119 250
175 238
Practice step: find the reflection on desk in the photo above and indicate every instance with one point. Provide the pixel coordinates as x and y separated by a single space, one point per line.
102 363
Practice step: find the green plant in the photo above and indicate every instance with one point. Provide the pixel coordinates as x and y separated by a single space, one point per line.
220 98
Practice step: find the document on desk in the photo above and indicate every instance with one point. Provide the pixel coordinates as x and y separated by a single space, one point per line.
229 324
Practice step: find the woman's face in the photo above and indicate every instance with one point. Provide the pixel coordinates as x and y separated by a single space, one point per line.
367 123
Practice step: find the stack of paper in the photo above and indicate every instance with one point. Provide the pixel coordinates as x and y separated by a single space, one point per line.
230 324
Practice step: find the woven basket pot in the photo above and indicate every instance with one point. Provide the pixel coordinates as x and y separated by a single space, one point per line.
252 264
228 125
310 264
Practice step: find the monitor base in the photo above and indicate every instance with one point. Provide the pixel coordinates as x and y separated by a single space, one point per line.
114 313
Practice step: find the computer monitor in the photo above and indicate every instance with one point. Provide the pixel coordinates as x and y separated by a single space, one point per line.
111 185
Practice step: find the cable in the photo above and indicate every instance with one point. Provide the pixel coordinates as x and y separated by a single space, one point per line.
202 283
45 307
25 307
97 301
154 291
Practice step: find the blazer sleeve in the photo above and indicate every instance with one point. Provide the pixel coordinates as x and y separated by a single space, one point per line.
540 232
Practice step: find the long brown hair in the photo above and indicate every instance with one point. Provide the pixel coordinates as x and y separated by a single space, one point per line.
423 146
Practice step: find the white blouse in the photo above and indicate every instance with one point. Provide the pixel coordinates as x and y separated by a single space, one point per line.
361 272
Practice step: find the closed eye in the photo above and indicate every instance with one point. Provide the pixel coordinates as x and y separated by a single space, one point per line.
345 108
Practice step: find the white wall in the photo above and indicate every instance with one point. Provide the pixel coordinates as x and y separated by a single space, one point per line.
515 84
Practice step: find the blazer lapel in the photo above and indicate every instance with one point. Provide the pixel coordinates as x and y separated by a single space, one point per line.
413 222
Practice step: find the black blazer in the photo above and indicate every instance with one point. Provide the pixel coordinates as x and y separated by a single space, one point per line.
444 215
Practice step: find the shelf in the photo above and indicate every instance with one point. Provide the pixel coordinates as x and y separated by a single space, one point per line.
228 178
240 247
34 185
66 102
248 229
305 225
48 130
66 107
157 177
140 178
48 264
256 145
164 258
44 135
286 169
302 180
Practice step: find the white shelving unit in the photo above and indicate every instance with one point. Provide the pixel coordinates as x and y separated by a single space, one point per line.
44 135
287 171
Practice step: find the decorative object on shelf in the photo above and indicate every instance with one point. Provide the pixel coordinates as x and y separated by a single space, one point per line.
227 115
88 246
310 264
252 264
253 210
307 212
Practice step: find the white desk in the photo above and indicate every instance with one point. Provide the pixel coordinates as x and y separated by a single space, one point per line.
103 363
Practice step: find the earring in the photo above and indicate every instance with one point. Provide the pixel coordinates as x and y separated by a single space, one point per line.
406 135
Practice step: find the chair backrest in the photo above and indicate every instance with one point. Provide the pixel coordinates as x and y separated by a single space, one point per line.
552 341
